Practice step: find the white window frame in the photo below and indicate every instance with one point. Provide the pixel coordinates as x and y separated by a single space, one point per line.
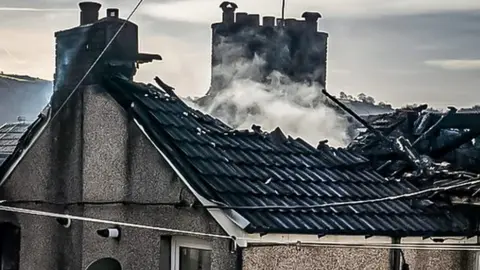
188 242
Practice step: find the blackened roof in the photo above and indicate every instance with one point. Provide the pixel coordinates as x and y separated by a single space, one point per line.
243 168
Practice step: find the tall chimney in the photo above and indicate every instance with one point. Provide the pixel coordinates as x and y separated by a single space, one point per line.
89 12
228 16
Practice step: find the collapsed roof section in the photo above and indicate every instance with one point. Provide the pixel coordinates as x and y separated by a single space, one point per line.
429 148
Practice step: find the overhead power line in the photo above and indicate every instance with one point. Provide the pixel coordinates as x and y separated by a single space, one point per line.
473 181
37 9
254 241
462 247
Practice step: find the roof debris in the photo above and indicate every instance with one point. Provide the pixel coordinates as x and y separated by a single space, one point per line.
427 148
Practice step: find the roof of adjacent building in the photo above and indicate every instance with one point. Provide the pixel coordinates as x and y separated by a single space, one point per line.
10 135
15 138
270 173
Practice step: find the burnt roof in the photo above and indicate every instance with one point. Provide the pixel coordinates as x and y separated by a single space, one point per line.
446 146
259 169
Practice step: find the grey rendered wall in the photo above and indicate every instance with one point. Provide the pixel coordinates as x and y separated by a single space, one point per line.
314 258
49 175
121 164
41 238
94 153
322 258
439 259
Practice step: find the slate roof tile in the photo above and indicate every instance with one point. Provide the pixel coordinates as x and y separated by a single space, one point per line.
10 135
245 168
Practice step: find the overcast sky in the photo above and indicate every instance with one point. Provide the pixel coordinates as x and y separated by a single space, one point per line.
399 51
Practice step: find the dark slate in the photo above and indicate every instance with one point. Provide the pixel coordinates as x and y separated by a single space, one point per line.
16 137
10 135
258 169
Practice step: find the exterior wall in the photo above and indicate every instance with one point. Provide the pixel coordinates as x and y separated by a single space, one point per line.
439 259
94 153
314 258
326 258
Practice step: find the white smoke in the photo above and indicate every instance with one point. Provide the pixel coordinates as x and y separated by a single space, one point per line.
293 107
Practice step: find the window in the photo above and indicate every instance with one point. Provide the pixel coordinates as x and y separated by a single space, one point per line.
9 246
190 253
105 264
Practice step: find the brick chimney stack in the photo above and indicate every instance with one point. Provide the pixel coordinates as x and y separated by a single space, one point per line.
241 36
78 48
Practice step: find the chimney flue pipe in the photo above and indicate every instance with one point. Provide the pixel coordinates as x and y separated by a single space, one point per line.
89 12
311 20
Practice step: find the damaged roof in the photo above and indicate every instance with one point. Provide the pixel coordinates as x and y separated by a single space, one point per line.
427 148
269 174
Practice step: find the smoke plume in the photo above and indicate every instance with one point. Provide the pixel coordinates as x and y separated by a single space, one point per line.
272 78
254 104
244 96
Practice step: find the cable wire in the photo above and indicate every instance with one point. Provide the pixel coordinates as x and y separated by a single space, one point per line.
253 241
349 203
273 207
104 221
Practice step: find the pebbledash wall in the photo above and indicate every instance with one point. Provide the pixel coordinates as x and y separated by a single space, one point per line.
93 152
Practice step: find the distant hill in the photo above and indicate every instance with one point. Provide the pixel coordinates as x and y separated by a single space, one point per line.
22 95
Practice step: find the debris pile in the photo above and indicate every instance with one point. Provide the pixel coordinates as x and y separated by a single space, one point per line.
428 148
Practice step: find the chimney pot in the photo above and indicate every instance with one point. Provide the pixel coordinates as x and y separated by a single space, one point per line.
311 16
311 19
253 19
228 8
242 17
290 23
89 12
113 12
268 21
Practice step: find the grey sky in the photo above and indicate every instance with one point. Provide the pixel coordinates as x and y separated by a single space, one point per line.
398 51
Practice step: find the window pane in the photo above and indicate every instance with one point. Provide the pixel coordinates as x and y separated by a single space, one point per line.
195 259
